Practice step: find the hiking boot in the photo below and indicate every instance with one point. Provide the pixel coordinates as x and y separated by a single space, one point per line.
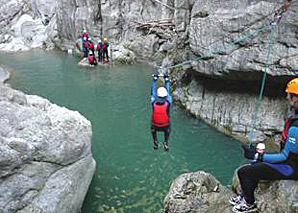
166 147
235 200
245 207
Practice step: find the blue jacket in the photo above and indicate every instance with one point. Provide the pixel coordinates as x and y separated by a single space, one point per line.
154 95
288 157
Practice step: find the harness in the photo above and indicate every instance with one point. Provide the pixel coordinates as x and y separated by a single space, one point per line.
91 45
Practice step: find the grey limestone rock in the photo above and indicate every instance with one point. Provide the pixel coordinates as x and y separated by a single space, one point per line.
45 159
200 192
197 192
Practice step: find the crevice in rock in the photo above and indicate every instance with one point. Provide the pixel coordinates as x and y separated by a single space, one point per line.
243 82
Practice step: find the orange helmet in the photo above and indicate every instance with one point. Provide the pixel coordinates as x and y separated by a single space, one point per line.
292 86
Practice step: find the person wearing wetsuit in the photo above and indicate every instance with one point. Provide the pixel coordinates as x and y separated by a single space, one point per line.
105 47
91 45
85 47
270 166
99 49
161 101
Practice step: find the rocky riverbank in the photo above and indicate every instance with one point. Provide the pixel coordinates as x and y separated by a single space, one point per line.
46 160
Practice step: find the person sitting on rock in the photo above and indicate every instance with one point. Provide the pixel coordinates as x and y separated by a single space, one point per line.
278 166
92 59
161 102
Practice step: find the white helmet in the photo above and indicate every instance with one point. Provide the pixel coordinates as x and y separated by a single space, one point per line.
90 52
85 31
162 92
260 146
89 39
99 41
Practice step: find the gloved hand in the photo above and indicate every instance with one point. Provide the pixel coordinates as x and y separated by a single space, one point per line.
155 77
249 152
252 154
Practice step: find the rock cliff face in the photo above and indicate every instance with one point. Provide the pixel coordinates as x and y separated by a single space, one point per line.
45 159
232 38
222 89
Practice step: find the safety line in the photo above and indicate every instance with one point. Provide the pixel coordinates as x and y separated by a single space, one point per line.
224 48
258 104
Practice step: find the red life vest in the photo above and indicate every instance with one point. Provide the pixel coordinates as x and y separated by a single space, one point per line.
284 133
90 58
104 45
91 46
160 117
98 46
85 44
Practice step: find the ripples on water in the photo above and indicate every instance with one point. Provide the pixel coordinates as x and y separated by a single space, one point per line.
130 175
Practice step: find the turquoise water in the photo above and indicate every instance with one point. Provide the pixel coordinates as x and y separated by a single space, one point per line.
130 176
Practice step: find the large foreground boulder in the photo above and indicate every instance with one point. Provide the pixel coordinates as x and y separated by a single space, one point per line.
197 192
46 163
200 192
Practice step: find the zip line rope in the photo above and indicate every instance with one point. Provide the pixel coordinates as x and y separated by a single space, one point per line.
272 28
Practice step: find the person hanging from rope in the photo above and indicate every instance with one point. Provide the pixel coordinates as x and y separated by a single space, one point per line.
161 101
270 166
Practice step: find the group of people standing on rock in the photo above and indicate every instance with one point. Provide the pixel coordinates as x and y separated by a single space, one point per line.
88 49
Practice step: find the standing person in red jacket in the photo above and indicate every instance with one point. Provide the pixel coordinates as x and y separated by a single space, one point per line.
91 45
161 101
85 47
